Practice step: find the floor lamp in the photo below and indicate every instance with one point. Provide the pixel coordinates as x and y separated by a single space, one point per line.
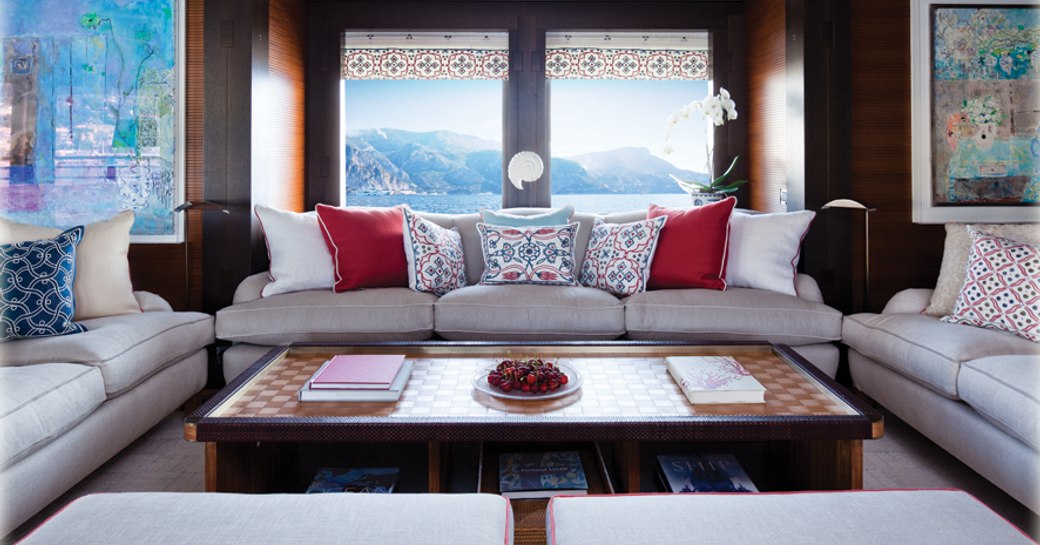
182 209
855 205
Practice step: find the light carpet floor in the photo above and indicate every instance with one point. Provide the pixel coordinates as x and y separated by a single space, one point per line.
162 460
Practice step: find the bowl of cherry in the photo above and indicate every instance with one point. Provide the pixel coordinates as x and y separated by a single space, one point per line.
527 378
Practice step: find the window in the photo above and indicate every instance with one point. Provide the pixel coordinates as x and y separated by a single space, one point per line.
422 120
611 94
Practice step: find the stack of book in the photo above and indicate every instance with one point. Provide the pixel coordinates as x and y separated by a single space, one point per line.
359 377
715 379
703 473
541 474
372 480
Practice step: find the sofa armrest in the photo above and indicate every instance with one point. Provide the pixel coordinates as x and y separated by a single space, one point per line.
807 288
249 289
908 301
150 302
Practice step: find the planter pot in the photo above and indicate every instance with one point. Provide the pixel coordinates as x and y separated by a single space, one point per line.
701 199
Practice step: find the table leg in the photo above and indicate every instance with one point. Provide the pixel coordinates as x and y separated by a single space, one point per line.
828 465
627 453
436 466
247 467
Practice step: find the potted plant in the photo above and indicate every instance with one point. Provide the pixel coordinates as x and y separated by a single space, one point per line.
718 109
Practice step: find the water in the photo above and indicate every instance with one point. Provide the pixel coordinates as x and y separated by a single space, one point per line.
464 204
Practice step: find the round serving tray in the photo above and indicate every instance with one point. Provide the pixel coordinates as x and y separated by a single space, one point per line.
574 380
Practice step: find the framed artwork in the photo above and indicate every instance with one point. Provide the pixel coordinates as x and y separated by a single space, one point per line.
91 116
975 86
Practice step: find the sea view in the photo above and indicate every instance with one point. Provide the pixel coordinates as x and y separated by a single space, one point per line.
461 204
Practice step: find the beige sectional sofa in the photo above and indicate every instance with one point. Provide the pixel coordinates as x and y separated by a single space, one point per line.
972 391
71 402
524 312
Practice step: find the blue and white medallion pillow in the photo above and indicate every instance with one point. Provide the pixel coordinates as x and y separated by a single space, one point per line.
435 260
619 255
528 255
36 279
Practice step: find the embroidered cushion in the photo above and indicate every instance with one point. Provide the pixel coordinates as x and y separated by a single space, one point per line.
619 255
299 258
528 255
693 247
435 263
559 216
1001 287
367 246
36 279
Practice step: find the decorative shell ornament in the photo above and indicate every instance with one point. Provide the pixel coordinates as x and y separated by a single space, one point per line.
525 166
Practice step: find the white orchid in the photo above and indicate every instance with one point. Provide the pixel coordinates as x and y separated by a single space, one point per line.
718 109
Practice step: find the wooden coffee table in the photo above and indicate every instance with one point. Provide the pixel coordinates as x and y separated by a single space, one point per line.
809 432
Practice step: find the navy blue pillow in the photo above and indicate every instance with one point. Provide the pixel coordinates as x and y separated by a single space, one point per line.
36 287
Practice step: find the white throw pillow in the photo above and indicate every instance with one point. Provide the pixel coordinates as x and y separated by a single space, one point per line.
102 286
299 258
764 250
955 258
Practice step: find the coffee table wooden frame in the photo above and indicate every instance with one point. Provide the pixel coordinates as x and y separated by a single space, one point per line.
825 452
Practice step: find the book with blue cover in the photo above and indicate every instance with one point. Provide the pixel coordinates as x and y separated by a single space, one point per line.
372 480
703 473
541 474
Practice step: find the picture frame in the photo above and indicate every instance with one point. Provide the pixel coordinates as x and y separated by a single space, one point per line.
99 90
974 136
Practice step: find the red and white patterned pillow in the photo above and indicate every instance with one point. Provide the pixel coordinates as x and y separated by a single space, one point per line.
435 262
528 255
1002 287
619 255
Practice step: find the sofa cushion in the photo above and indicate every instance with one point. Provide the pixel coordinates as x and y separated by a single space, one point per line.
525 312
127 348
1006 391
36 278
619 256
378 314
265 519
528 255
299 258
435 259
40 402
737 314
926 349
366 245
863 517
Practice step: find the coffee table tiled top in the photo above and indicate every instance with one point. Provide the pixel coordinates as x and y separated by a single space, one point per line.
627 394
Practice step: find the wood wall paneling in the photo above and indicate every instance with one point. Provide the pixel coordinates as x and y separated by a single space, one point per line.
766 53
287 93
903 254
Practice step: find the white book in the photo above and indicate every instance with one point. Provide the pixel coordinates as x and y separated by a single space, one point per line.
715 379
307 393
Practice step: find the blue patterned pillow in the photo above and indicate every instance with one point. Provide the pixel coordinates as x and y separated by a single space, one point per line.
528 255
559 216
36 287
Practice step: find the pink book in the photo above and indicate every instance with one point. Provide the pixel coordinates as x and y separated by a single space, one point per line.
363 371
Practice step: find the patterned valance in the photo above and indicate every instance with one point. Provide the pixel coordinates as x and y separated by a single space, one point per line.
425 64
628 64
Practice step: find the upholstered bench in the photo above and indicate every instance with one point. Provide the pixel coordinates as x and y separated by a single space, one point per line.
316 519
921 517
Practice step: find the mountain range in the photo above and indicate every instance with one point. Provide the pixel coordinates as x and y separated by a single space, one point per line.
398 161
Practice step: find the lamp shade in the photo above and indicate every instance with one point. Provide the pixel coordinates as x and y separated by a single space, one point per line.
847 203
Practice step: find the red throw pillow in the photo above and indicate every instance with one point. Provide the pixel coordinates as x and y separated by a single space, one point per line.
693 246
367 246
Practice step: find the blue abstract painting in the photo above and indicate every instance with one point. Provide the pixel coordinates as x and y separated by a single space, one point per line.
88 113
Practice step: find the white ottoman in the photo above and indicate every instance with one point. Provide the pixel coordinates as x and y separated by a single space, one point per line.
315 519
918 517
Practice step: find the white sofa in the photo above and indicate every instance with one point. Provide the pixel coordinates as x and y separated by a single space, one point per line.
71 402
526 313
972 391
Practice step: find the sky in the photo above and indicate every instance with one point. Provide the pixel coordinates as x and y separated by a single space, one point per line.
587 115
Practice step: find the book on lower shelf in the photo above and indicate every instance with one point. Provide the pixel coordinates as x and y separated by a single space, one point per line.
370 480
715 379
392 393
541 474
703 473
